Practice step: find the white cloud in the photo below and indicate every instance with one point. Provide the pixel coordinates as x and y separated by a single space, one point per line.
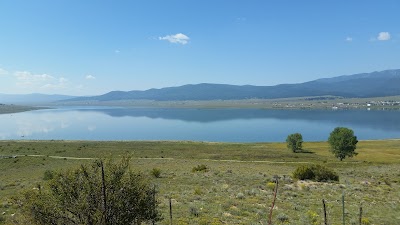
59 83
383 36
29 81
349 39
90 77
176 38
25 78
117 51
3 72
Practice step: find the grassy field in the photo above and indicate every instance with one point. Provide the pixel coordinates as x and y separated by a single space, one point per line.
237 189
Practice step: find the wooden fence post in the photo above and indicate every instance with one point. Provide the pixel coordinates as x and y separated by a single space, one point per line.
273 202
343 212
325 218
170 210
104 193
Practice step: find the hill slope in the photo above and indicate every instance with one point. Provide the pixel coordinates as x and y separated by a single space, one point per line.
376 84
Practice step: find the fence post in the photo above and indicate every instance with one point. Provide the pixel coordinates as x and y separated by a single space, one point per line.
325 218
154 205
273 202
344 220
170 210
104 192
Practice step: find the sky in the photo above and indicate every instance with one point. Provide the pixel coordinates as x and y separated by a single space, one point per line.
89 47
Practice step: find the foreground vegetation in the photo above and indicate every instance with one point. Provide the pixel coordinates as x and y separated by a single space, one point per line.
224 183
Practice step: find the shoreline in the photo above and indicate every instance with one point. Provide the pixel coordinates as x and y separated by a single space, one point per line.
10 109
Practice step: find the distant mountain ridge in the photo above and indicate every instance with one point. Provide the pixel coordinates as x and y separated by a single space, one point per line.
363 85
375 84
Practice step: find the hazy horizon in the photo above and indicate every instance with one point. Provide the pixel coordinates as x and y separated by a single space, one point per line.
90 48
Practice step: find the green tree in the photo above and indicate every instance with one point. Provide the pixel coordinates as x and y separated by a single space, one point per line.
94 194
294 142
343 142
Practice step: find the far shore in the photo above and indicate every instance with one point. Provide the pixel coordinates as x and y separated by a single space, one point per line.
306 103
6 109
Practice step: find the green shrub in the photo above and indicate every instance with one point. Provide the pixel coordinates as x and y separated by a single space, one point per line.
283 218
313 217
48 175
198 191
78 194
216 221
271 186
316 173
240 195
304 172
365 221
194 211
200 168
156 172
2 219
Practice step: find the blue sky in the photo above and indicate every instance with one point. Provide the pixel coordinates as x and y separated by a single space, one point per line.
91 47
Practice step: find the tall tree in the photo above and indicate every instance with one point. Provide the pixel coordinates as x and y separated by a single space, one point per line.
294 142
343 142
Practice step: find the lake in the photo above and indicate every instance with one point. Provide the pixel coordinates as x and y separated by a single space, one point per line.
219 125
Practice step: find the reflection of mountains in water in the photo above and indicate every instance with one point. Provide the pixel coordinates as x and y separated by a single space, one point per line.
375 119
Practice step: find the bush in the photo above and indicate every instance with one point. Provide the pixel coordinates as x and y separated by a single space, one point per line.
48 175
240 195
77 196
194 211
200 168
156 172
365 221
271 186
316 173
283 218
198 191
313 217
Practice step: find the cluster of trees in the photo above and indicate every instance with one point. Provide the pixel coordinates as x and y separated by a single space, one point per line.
342 141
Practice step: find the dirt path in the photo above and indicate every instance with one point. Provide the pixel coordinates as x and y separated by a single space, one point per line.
212 160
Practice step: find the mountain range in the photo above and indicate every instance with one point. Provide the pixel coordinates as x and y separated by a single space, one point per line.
363 85
375 84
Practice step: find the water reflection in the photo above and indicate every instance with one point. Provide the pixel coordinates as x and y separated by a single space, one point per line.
374 119
232 125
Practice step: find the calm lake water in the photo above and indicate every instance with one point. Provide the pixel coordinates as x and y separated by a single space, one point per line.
226 125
